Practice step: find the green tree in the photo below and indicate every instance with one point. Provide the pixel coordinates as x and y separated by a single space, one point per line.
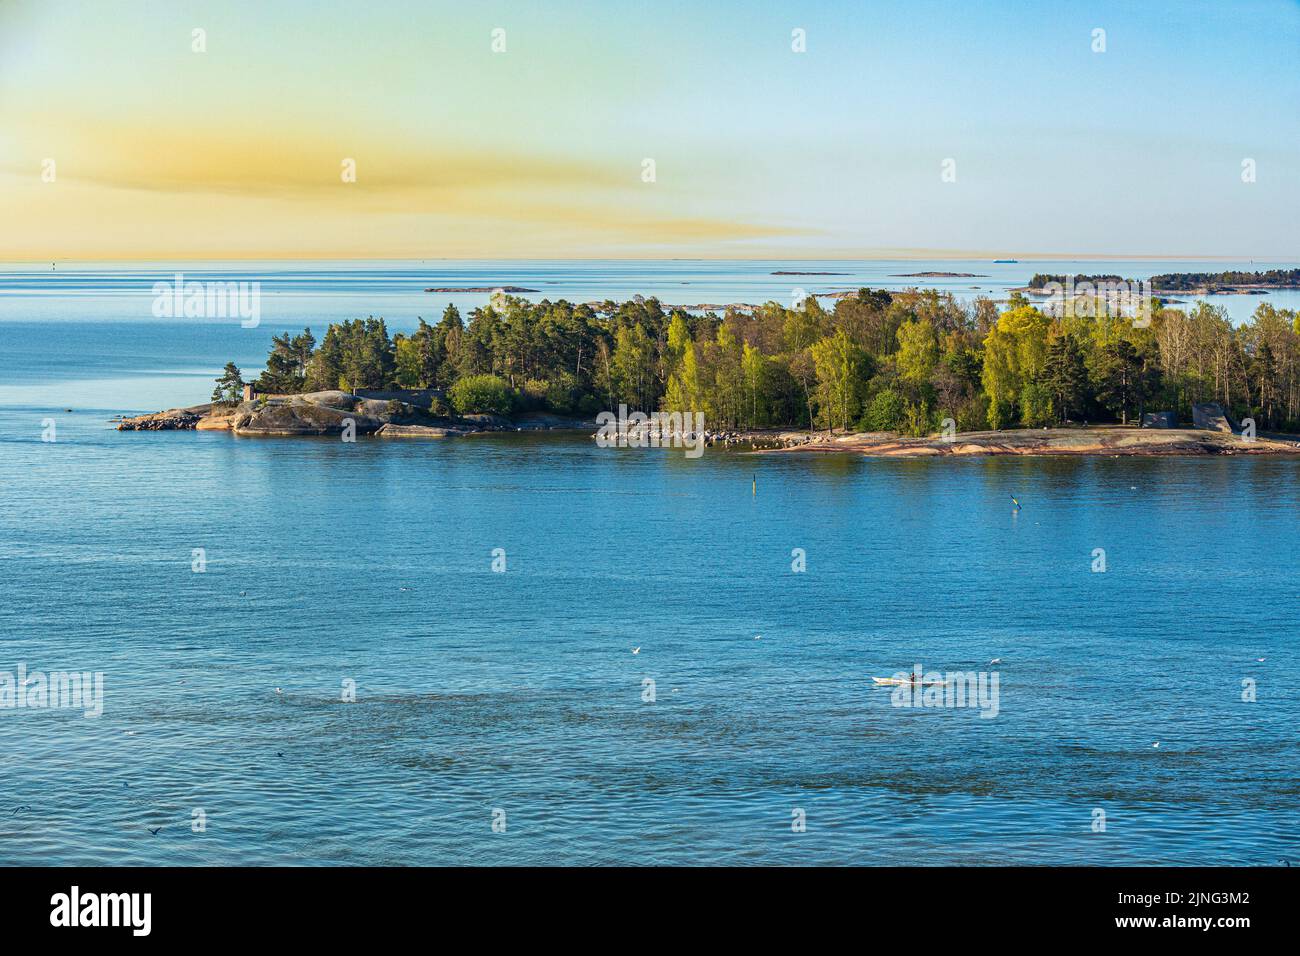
482 393
1065 376
634 368
757 381
684 393
1015 351
409 371
230 386
918 352
887 412
287 364
728 393
839 364
1119 378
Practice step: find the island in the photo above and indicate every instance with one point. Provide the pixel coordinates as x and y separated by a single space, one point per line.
866 371
1185 283
1041 280
939 275
1207 283
482 288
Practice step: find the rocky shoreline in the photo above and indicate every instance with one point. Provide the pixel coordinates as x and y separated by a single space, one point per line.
1105 441
330 412
1112 441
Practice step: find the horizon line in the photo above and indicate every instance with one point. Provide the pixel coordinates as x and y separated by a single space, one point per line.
905 257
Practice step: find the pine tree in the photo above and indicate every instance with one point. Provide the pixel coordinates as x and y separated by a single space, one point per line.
1117 377
230 386
1065 376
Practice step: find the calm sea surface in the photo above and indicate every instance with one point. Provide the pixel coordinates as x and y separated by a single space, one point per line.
479 692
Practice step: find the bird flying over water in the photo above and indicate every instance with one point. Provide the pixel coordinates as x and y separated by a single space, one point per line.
636 650
154 830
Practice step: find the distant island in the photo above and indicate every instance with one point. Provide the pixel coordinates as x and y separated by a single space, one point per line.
1042 280
784 273
1205 283
911 365
939 275
1190 283
483 288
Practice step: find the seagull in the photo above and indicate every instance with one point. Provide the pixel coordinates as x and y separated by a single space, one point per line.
16 809
636 650
758 637
1260 660
1156 744
242 593
996 660
154 830
403 589
279 753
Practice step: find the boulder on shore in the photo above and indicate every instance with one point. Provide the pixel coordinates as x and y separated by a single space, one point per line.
301 419
1159 420
392 430
1211 417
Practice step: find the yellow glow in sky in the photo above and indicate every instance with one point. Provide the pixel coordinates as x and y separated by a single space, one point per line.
506 129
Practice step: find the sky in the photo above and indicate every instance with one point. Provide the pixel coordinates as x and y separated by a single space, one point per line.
658 129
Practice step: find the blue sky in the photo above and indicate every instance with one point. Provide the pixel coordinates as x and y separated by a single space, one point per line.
758 150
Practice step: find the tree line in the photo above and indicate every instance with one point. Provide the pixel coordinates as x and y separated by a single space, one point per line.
878 361
1188 281
1184 281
